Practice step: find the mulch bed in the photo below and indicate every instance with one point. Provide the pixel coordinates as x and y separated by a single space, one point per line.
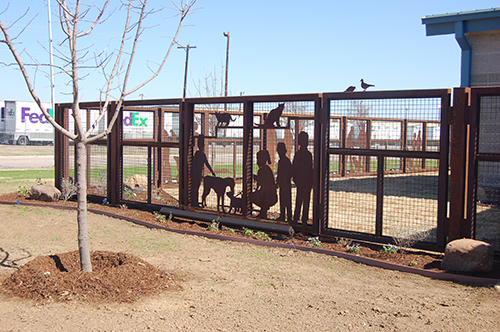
115 277
132 273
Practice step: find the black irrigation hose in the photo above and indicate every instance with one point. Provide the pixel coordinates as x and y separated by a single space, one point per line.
359 259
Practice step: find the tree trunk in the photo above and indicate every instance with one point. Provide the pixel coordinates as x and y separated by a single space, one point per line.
81 181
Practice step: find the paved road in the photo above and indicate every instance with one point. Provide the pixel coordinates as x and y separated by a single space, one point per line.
26 161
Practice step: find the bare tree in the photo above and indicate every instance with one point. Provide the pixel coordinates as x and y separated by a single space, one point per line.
211 85
78 20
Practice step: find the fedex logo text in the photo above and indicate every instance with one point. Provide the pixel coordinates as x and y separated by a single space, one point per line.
33 117
135 121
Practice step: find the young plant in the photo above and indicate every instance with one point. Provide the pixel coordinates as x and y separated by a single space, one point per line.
157 195
161 218
262 235
214 226
313 242
344 242
129 193
23 191
390 249
413 263
247 231
231 230
355 247
105 201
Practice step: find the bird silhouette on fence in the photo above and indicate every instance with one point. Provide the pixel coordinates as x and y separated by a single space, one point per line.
365 85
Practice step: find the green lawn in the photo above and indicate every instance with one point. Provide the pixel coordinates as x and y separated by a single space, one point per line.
11 180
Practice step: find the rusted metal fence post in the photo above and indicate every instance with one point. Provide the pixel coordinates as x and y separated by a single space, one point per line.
247 156
458 163
115 160
61 146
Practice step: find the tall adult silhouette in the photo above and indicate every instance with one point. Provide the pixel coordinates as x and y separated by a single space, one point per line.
199 162
283 180
302 177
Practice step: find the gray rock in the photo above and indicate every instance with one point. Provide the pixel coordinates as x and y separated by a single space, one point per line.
45 193
468 255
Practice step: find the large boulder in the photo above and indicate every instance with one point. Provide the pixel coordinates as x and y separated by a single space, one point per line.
468 255
45 193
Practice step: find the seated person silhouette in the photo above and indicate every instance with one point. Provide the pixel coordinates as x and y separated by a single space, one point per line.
265 194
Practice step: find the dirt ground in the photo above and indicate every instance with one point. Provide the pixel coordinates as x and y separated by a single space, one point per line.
229 286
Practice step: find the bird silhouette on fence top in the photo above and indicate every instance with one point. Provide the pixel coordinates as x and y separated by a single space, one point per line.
365 85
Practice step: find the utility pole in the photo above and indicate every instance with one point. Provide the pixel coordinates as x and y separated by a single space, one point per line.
52 85
226 34
186 70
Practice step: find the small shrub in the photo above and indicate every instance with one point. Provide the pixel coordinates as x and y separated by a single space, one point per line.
406 237
68 189
313 242
390 249
355 247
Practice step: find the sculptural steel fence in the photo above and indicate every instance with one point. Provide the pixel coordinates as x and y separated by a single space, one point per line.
367 165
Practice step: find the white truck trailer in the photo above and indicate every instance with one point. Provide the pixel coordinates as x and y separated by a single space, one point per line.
24 123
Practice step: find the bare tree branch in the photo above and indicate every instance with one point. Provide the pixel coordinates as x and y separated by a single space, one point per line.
30 86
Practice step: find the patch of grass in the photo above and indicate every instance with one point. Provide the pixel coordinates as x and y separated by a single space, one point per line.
146 243
27 174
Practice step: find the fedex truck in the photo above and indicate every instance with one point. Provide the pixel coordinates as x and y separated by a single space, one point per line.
24 123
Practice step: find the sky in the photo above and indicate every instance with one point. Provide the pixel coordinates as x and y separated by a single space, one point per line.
276 47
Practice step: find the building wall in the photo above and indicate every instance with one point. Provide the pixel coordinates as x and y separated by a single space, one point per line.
485 59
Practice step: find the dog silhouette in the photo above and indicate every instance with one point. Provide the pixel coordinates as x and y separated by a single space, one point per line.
219 185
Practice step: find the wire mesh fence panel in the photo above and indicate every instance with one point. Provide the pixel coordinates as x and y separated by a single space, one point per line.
408 201
97 172
352 201
135 173
410 205
488 203
489 124
488 173
217 166
285 131
167 193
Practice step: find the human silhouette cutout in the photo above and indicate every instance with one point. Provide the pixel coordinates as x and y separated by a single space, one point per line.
362 143
349 142
418 145
272 139
303 177
197 166
165 157
283 180
265 194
